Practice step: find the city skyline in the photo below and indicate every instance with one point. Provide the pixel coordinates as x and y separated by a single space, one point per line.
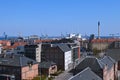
56 17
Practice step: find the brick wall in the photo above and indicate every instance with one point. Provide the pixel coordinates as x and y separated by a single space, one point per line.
29 72
108 74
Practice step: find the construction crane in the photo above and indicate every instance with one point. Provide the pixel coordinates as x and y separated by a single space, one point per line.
113 35
5 35
19 34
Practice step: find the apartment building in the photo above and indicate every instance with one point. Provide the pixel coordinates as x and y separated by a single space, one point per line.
33 51
57 53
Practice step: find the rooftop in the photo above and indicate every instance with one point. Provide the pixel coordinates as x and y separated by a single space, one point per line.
15 60
86 74
46 64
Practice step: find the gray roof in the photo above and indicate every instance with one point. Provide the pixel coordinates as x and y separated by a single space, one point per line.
46 64
95 64
63 47
86 74
108 61
114 53
92 62
15 60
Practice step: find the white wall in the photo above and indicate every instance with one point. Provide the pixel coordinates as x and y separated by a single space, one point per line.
67 59
38 53
0 49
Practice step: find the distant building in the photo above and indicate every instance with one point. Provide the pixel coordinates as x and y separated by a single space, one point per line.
19 66
14 45
74 36
58 53
5 43
33 52
34 37
19 50
102 44
84 44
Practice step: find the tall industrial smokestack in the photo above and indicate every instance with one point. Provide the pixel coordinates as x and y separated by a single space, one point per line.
98 29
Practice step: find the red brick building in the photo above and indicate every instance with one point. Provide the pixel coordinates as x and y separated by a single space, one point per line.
102 44
5 43
19 66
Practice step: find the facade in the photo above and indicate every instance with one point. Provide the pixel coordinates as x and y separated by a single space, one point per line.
73 36
47 68
16 47
57 53
75 49
34 37
105 68
110 68
0 49
19 66
33 51
67 60
5 43
101 44
19 50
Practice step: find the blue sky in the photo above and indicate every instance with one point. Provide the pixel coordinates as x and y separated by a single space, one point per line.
53 17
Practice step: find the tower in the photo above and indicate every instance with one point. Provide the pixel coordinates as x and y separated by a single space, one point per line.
98 29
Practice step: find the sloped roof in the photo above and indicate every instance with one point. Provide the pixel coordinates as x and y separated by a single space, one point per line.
15 45
63 47
114 53
46 64
15 60
92 62
108 61
86 74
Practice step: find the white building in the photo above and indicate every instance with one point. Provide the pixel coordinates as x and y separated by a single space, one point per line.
74 35
0 48
67 59
59 53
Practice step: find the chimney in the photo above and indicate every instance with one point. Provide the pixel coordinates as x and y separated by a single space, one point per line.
98 29
30 63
